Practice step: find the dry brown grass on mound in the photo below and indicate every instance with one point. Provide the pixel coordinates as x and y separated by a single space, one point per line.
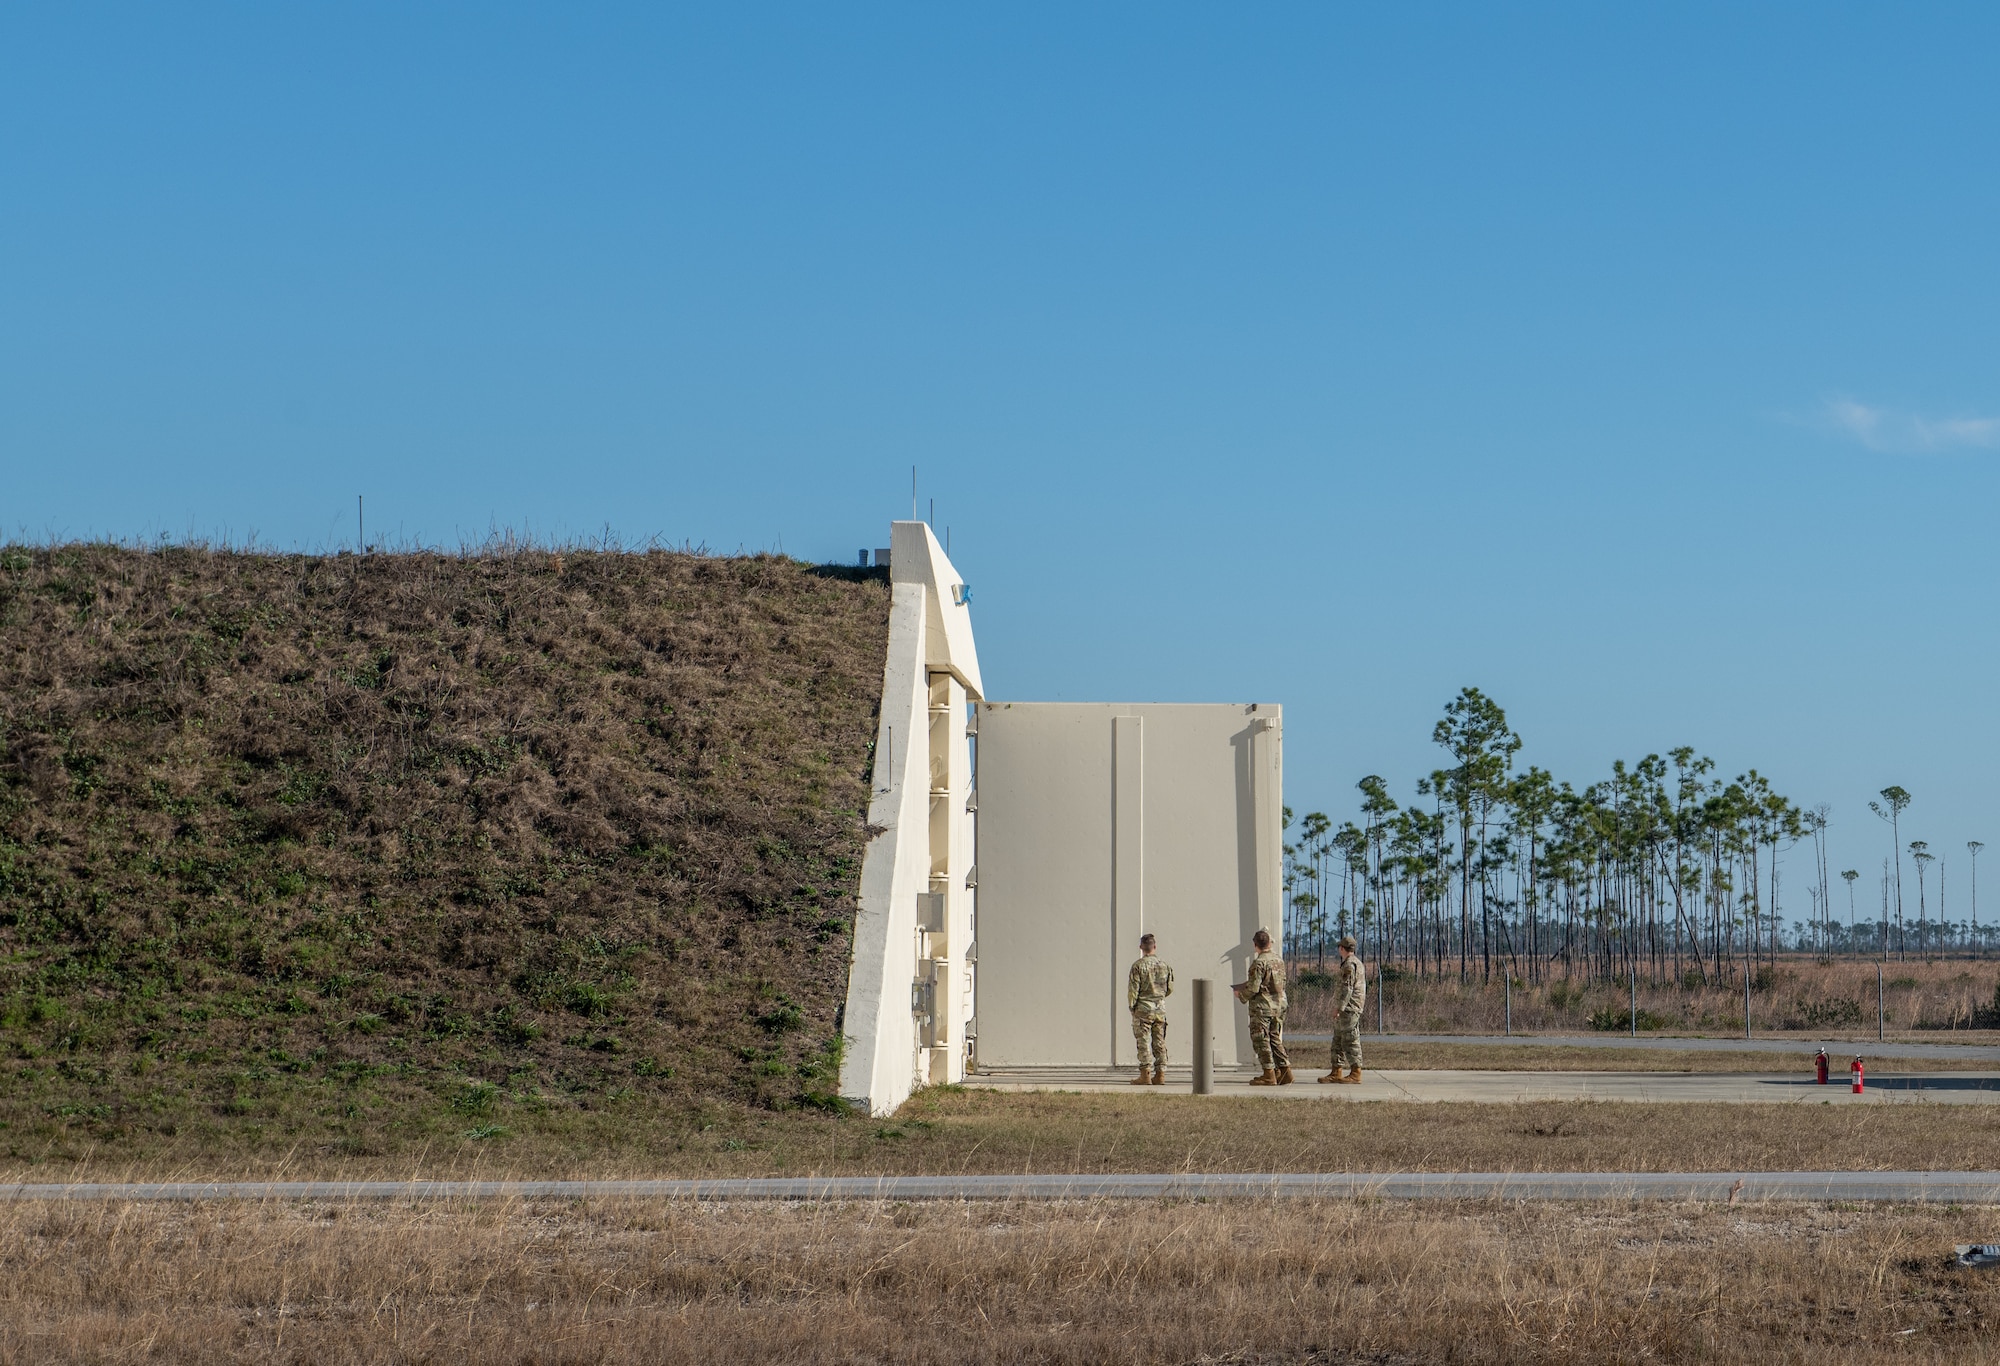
319 846
1293 1281
991 1132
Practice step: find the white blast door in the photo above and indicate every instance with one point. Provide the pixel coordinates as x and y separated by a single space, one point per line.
1099 822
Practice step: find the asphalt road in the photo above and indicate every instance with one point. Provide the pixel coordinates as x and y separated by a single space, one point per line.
1948 1187
1838 1048
1507 1087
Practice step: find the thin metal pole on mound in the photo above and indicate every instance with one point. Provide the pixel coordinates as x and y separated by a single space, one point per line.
1203 1042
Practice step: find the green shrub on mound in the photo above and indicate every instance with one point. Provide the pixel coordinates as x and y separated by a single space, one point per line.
286 840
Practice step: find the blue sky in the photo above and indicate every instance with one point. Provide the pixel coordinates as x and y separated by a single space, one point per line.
1636 365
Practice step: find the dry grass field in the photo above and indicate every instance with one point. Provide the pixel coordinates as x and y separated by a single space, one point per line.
950 1130
1953 999
554 1283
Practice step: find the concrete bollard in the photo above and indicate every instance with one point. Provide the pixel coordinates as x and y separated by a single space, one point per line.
1203 1042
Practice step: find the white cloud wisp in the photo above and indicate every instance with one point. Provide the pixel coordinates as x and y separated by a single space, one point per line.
1884 429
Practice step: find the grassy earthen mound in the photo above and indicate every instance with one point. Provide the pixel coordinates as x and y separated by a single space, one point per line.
326 846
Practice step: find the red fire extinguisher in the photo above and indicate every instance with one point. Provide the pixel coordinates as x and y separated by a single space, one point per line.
1859 1072
1819 1065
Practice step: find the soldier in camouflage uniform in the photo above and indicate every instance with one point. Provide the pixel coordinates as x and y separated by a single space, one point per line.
1263 991
1147 987
1347 1024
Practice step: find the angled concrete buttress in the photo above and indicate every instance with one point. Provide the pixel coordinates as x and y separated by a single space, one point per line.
909 989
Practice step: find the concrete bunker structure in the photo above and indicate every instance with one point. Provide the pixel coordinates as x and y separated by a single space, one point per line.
1001 903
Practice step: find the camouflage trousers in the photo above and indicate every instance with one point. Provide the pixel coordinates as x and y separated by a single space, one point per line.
1150 1033
1347 1040
1267 1036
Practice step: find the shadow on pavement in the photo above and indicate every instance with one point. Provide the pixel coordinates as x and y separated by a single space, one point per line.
1927 1082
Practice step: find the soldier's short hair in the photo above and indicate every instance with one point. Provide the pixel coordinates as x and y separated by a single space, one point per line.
1262 939
1347 942
1146 941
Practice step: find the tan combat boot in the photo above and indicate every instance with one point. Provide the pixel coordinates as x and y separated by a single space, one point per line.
1334 1075
1159 1076
1353 1078
1284 1076
1140 1080
1269 1078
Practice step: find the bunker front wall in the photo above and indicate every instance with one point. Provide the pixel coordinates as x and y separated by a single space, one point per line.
1099 822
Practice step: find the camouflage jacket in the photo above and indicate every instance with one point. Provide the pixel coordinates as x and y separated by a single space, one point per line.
1263 990
1147 987
1353 986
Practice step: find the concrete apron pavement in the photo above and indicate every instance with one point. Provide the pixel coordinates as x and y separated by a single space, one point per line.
1950 1088
1838 1049
1969 1188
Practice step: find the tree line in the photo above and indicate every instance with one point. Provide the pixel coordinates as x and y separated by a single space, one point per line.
1664 868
